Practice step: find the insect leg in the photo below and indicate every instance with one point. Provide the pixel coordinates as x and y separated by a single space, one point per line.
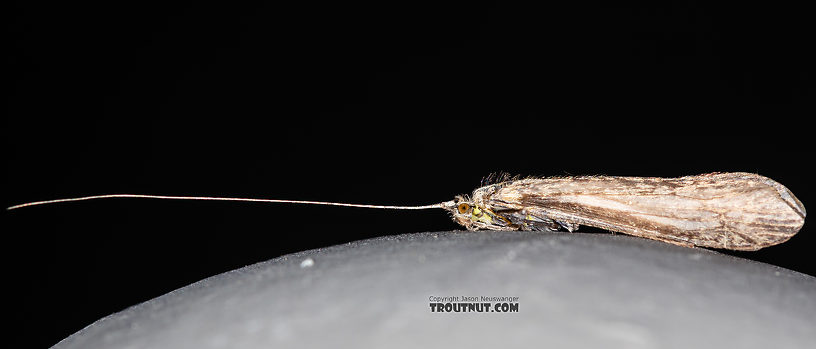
670 240
525 221
569 226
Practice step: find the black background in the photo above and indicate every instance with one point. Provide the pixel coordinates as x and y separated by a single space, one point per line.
389 103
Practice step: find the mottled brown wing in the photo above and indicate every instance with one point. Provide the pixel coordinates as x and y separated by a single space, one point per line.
739 211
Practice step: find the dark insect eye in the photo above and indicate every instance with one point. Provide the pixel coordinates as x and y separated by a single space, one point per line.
463 208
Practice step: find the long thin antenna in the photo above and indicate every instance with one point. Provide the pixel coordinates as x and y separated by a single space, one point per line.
165 197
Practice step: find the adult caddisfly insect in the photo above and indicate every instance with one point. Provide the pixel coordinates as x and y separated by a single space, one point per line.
737 211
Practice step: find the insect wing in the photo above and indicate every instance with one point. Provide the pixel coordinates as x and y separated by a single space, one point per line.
739 211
